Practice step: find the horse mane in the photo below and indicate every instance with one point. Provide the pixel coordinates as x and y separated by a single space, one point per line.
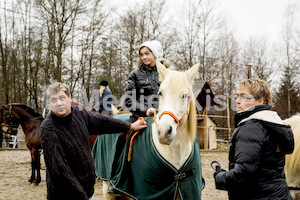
29 109
292 160
294 122
178 81
74 103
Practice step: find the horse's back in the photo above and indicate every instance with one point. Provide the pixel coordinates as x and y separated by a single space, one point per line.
150 176
104 151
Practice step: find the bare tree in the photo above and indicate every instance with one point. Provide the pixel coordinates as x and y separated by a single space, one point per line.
187 46
208 22
290 70
91 44
4 57
228 55
256 55
60 15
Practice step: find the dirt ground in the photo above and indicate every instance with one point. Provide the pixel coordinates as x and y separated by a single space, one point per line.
15 171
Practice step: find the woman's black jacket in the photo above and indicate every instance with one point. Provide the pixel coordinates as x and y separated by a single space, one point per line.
141 90
257 157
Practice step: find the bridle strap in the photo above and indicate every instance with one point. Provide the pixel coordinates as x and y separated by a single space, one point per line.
9 123
9 112
36 118
174 117
171 114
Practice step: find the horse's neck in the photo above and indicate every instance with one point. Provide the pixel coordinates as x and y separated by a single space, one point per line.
27 121
178 151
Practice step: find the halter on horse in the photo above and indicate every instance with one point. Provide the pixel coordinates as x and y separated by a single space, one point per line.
7 129
170 150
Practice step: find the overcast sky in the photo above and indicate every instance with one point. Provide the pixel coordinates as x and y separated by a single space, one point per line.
245 17
258 17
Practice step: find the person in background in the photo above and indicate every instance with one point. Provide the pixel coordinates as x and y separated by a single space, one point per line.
258 147
105 99
64 135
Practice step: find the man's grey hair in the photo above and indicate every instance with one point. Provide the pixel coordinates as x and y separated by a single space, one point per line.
56 87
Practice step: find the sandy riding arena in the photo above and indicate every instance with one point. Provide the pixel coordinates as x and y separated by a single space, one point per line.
15 171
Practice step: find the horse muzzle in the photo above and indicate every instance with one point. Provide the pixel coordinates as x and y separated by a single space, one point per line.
165 135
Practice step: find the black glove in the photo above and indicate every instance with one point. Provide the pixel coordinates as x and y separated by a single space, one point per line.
218 170
219 178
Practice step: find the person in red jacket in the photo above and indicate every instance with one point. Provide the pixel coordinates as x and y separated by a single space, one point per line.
258 147
64 136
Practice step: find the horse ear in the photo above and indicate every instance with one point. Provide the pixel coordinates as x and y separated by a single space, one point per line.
162 70
192 72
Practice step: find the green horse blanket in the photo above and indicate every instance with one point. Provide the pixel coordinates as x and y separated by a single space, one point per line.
148 175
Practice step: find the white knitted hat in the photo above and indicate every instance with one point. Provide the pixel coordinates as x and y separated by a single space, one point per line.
154 46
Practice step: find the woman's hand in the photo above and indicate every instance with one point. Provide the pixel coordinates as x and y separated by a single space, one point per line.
138 125
150 111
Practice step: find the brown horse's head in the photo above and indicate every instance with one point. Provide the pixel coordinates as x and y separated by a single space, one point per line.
8 124
5 113
15 114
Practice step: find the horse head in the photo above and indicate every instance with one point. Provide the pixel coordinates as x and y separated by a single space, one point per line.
177 112
6 115
8 122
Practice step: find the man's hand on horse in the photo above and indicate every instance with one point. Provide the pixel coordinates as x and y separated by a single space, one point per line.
150 111
138 125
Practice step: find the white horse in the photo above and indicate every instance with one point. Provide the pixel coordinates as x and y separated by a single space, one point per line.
173 135
292 166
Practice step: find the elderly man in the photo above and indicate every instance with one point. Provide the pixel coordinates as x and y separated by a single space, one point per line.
64 135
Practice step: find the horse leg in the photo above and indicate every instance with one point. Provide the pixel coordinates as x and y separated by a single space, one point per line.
32 177
111 197
34 161
38 167
126 198
105 194
295 194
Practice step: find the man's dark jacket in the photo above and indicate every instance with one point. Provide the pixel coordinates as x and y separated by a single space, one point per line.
257 157
70 172
141 90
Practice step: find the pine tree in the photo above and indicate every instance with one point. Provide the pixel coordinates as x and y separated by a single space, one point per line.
288 88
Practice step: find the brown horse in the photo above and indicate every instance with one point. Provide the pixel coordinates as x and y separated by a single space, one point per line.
30 120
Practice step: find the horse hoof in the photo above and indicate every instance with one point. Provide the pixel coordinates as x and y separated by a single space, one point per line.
31 180
36 182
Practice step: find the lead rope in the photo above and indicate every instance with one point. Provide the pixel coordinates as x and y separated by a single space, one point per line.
131 140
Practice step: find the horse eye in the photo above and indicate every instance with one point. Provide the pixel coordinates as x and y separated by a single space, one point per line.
185 95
